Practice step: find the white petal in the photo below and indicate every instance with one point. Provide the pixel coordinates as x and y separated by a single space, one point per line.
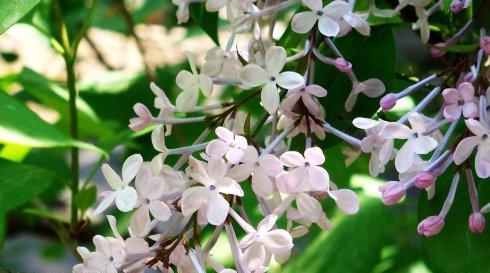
254 256
482 161
253 75
476 127
186 80
365 123
217 167
126 199
373 88
292 159
186 100
130 167
261 183
425 144
309 207
314 156
290 80
275 59
192 200
205 84
215 5
106 203
111 177
303 22
404 158
240 172
465 148
270 98
336 9
229 186
318 178
313 4
160 210
218 208
346 200
328 26
270 164
277 240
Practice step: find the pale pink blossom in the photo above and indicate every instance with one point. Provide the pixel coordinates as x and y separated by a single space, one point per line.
327 17
108 257
263 242
308 95
417 142
460 101
311 211
254 75
262 168
481 141
354 20
431 225
371 87
144 119
214 181
388 102
123 195
304 172
219 62
162 102
229 145
150 188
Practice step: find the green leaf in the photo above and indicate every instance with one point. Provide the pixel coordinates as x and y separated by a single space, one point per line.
446 5
467 252
3 228
457 48
56 97
86 198
12 11
19 183
19 125
207 21
353 245
371 57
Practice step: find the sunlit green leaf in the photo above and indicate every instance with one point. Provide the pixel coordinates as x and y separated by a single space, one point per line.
12 11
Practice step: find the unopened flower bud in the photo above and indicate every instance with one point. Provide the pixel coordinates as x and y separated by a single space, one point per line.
392 192
431 225
437 53
342 65
485 44
476 222
388 102
457 5
424 179
144 118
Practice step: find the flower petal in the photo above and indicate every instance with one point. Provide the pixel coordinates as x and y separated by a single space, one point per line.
126 198
270 98
275 59
111 177
277 240
192 200
313 4
107 201
425 144
465 148
466 91
271 165
253 75
328 26
303 22
292 159
336 9
373 88
160 210
229 186
318 178
346 200
186 100
205 84
218 208
314 156
404 158
261 183
316 90
186 80
254 256
217 147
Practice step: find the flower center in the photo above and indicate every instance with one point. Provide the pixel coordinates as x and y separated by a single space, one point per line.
111 258
461 102
302 89
273 79
484 136
212 187
307 164
146 201
415 135
319 13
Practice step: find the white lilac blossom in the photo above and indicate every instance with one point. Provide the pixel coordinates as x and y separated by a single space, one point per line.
123 195
253 75
327 17
460 101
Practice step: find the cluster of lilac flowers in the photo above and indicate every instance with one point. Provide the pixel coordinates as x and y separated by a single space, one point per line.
204 188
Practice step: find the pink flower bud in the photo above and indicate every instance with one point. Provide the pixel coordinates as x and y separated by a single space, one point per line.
388 102
476 222
342 65
457 5
485 44
431 225
437 53
424 179
144 117
392 192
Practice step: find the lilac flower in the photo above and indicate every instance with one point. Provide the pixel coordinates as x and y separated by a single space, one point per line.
460 101
327 17
482 142
229 145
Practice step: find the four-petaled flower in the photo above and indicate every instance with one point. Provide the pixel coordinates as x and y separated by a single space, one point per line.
214 181
327 17
305 173
124 195
460 101
481 139
253 75
229 145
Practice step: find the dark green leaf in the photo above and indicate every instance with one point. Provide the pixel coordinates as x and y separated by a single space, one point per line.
19 183
12 11
208 21
86 198
45 214
467 252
